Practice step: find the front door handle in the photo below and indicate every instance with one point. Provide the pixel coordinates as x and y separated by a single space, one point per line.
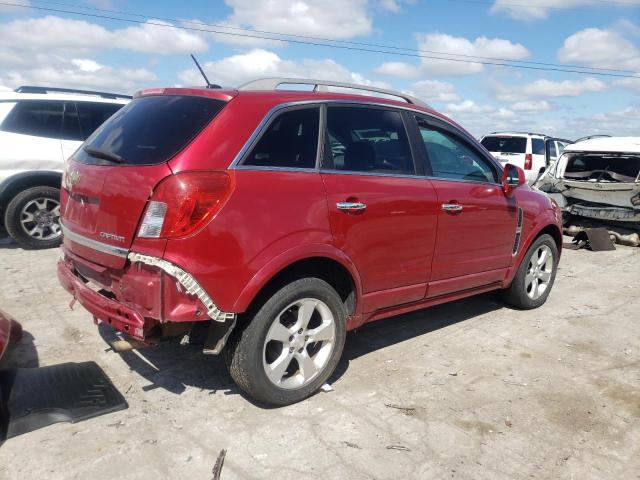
352 207
452 207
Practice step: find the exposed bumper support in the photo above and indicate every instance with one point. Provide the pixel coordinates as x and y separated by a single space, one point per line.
187 281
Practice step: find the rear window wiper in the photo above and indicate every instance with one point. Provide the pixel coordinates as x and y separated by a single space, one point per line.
103 154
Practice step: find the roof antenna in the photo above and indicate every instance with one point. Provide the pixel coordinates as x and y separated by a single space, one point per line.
209 84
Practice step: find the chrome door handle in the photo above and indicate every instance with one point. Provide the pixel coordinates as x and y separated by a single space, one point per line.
351 206
452 207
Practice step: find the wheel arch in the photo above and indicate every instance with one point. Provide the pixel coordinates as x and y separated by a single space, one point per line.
19 182
325 263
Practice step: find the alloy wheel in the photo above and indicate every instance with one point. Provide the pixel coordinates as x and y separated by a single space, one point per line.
40 218
299 343
539 272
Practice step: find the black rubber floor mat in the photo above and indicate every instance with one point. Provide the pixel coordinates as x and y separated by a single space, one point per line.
33 398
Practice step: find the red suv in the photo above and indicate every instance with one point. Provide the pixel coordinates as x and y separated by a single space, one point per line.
274 221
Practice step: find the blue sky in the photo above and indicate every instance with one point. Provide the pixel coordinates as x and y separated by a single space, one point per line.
40 46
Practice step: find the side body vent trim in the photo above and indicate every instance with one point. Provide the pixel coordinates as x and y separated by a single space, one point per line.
518 236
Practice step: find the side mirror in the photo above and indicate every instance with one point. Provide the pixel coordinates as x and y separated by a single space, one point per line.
512 178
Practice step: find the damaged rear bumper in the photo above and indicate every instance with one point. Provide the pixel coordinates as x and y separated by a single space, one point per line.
149 299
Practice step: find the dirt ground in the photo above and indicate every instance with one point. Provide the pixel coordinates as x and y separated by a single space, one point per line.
466 390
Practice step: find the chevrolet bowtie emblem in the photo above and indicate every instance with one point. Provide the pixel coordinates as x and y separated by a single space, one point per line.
73 177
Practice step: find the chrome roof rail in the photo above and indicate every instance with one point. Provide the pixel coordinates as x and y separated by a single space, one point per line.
323 86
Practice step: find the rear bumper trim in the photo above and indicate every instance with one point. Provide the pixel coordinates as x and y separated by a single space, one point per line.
187 281
94 244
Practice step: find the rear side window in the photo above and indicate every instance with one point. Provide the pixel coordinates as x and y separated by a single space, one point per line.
537 146
505 144
290 141
92 115
41 118
150 130
370 140
552 149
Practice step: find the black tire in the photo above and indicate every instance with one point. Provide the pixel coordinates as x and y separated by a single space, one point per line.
516 295
245 349
13 213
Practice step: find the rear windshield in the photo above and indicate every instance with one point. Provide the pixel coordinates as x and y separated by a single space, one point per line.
601 167
149 130
505 144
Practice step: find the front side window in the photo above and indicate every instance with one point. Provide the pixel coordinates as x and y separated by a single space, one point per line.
452 158
371 140
290 141
41 118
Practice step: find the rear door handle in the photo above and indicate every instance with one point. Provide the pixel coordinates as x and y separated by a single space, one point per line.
452 207
351 206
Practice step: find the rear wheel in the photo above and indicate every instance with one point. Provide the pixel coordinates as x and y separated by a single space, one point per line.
535 276
291 345
33 218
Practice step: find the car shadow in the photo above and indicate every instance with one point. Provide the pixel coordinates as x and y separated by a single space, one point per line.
21 354
174 367
6 242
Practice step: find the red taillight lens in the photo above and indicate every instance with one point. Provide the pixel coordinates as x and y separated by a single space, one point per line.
528 161
183 203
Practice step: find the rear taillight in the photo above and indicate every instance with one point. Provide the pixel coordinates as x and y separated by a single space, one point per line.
183 203
528 161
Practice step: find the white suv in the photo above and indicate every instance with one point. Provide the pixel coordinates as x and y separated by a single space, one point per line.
40 128
530 151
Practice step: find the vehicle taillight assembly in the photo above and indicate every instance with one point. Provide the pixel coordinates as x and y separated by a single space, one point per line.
183 203
528 161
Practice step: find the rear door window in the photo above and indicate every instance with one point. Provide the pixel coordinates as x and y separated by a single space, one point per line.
93 114
553 153
40 118
371 140
537 146
505 144
290 141
150 130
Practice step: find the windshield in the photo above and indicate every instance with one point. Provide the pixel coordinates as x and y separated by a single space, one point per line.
149 130
505 144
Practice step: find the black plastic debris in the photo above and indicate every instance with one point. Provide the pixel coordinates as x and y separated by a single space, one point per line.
594 239
32 398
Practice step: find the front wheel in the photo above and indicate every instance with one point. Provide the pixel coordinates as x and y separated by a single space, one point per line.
535 276
291 345
33 218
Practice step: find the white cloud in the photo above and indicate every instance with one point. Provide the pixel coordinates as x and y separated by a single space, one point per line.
539 9
618 122
480 47
237 69
398 69
52 35
467 106
531 106
594 47
14 8
158 37
335 19
434 91
460 49
629 83
81 73
565 88
543 89
390 5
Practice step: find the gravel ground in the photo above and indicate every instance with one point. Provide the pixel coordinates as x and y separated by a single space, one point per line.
466 390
